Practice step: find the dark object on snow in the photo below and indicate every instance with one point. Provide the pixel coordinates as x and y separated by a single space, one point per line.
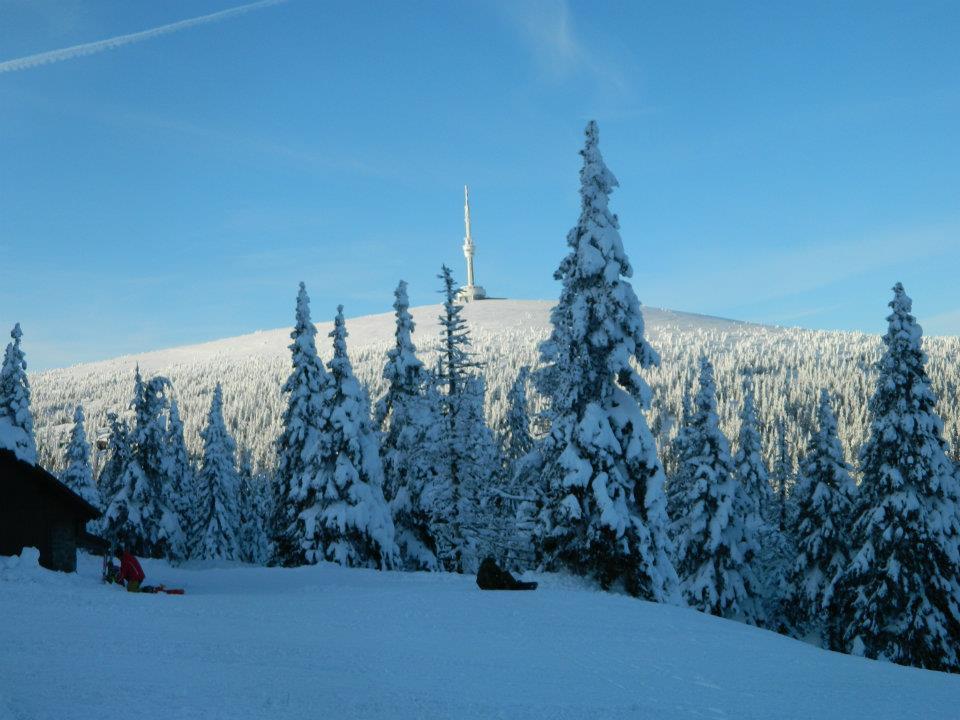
37 510
491 577
154 589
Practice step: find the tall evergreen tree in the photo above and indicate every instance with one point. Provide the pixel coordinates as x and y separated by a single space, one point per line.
823 499
162 532
779 515
129 509
513 505
455 366
760 522
404 370
78 476
180 486
678 479
409 445
118 454
16 419
253 506
749 467
485 523
516 441
304 441
605 512
138 514
216 514
715 548
403 373
899 598
350 522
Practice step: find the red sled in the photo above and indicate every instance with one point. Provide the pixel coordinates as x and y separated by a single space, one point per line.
153 589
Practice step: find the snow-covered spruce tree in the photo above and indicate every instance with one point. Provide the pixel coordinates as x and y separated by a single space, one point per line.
78 475
403 373
455 366
137 513
777 553
350 522
516 441
163 534
252 502
403 370
179 486
513 505
409 444
216 515
118 454
782 479
456 362
304 440
604 512
16 419
678 481
823 500
773 556
749 467
715 548
486 524
125 485
899 597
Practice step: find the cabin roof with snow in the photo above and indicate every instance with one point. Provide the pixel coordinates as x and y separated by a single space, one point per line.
37 510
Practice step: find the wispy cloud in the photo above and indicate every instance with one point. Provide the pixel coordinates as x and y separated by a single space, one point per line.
52 56
806 267
548 28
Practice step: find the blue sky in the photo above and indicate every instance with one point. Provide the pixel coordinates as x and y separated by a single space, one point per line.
779 162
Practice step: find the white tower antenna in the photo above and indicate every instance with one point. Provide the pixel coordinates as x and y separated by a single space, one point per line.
470 291
467 240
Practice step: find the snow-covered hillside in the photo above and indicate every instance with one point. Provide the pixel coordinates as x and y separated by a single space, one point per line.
791 366
327 642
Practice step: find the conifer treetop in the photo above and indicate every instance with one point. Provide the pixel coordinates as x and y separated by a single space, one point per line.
341 369
304 331
455 359
403 368
78 476
16 418
598 314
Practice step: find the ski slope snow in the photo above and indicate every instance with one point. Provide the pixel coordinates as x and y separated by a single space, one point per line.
326 642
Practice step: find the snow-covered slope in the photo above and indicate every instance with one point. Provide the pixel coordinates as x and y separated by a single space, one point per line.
325 642
791 366
252 367
491 317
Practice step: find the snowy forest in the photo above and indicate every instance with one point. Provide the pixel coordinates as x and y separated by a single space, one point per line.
796 480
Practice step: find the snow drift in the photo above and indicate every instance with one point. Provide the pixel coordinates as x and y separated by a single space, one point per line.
327 642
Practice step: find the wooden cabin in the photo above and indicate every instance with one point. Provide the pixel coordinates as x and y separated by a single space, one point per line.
37 510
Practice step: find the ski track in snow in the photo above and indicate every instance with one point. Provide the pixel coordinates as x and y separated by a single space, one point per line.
324 642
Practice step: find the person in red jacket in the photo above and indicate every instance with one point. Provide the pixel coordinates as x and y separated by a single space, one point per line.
131 573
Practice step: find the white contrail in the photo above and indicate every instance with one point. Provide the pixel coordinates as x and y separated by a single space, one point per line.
110 43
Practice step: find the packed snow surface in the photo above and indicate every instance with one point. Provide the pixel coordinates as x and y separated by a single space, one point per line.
325 642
